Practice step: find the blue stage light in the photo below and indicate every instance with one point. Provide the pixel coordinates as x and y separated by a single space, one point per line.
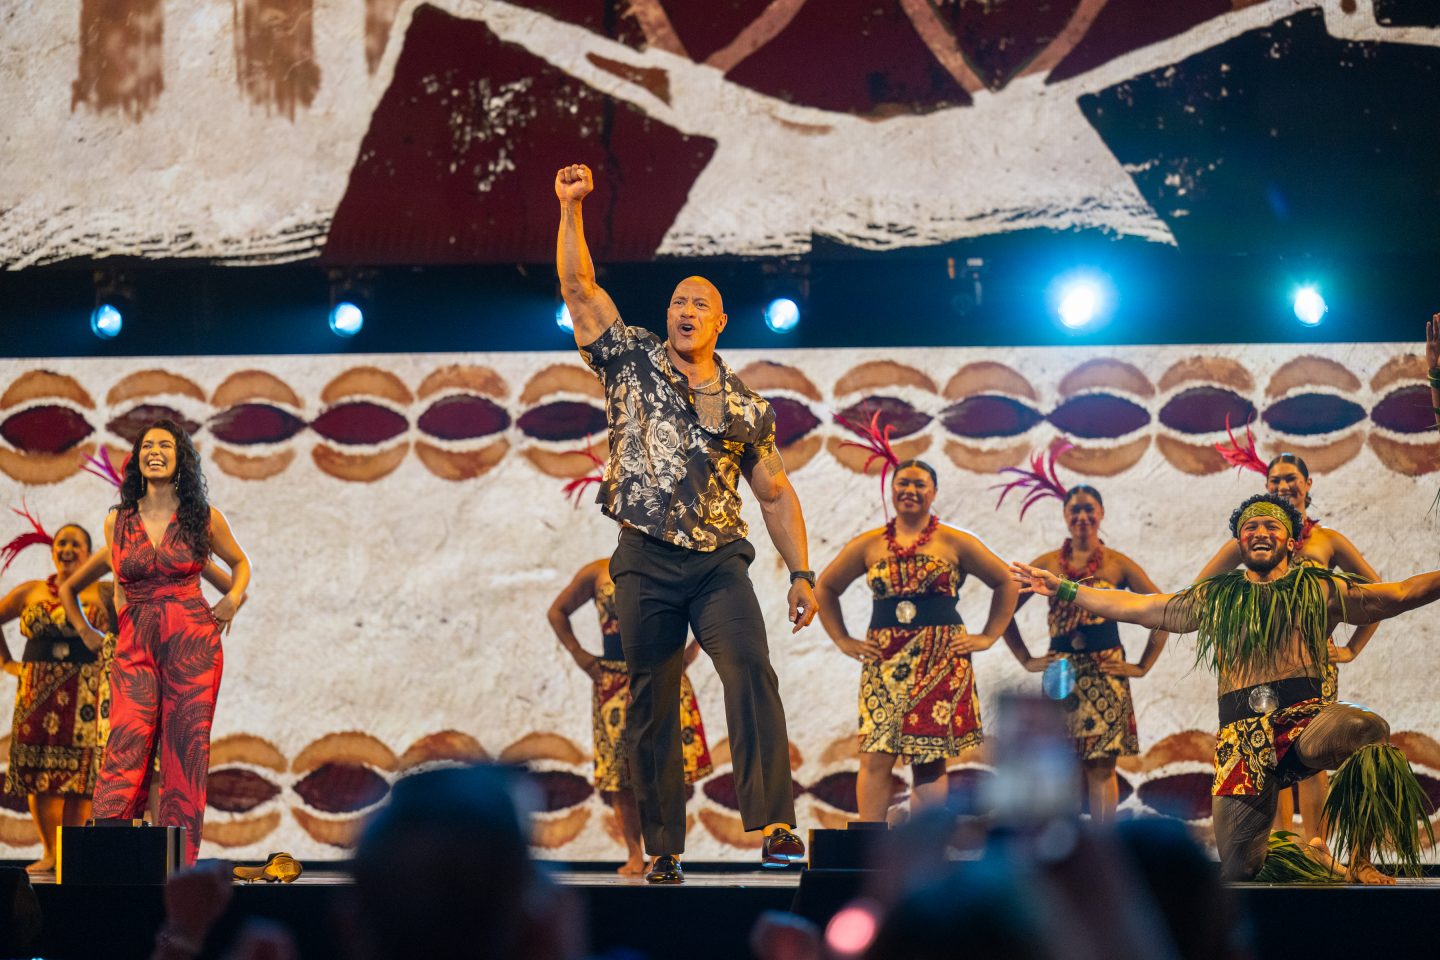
563 320
1080 302
782 314
1310 307
106 321
346 319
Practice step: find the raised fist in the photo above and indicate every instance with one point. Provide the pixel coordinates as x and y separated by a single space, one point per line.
572 183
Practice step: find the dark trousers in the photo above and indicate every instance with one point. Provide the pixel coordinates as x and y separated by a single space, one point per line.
661 593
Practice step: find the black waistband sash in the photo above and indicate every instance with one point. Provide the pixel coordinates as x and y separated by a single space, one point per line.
912 613
57 648
1089 638
1266 698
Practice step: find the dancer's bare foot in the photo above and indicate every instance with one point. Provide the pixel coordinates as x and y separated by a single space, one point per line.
1321 854
633 867
1363 871
45 864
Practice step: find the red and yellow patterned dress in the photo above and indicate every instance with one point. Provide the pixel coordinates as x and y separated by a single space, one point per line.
918 701
1099 712
610 702
62 708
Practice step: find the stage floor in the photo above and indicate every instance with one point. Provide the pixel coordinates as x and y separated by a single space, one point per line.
712 912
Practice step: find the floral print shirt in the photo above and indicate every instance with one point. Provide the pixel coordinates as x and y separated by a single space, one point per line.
668 476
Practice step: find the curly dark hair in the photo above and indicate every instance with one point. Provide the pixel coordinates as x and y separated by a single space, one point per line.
193 514
1297 523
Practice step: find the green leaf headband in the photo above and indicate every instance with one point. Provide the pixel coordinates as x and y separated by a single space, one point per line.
1262 508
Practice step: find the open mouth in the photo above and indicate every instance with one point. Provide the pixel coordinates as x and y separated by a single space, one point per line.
688 329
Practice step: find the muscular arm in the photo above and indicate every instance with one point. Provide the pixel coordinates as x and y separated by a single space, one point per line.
578 592
10 608
87 573
224 546
1138 581
1348 558
1373 602
1226 558
844 570
780 506
591 309
1148 610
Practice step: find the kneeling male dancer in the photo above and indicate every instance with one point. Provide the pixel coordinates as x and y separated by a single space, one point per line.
1263 630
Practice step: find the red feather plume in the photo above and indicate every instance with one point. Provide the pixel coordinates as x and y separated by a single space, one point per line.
1246 458
575 489
1040 482
101 467
876 442
35 535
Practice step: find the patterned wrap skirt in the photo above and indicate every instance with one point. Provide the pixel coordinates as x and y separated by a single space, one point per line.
62 719
610 701
1250 753
918 700
1099 712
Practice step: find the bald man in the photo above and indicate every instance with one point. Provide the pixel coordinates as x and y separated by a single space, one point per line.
683 431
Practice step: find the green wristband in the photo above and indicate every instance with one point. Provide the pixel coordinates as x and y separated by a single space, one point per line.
1067 591
1435 377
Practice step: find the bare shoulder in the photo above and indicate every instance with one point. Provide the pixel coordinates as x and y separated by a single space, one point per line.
1050 560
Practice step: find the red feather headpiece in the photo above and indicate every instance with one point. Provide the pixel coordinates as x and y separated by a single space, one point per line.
877 444
35 535
1040 482
101 467
575 489
1243 457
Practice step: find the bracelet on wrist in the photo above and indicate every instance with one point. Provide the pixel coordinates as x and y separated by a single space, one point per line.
1067 590
1434 377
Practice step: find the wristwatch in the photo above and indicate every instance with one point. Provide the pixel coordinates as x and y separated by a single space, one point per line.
807 575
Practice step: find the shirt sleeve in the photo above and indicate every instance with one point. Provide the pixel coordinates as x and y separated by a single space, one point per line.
764 445
618 340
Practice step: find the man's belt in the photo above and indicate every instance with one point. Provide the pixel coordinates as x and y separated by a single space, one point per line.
1088 638
912 613
1266 698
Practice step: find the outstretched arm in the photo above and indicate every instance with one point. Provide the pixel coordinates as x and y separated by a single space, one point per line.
1348 558
780 507
1362 603
591 309
1138 581
1148 610
839 574
580 591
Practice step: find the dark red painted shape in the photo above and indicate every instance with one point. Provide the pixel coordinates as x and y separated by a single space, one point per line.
1126 25
1306 414
989 416
134 422
1200 410
360 422
463 417
1000 38
562 420
792 420
342 788
414 194
706 27
1182 795
1097 416
1407 410
45 429
250 423
561 790
894 412
236 790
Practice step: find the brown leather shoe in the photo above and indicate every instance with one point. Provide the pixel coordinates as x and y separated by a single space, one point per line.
781 849
665 869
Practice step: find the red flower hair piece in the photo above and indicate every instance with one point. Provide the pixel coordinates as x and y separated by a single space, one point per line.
1040 482
877 444
1246 458
35 535
101 467
575 489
